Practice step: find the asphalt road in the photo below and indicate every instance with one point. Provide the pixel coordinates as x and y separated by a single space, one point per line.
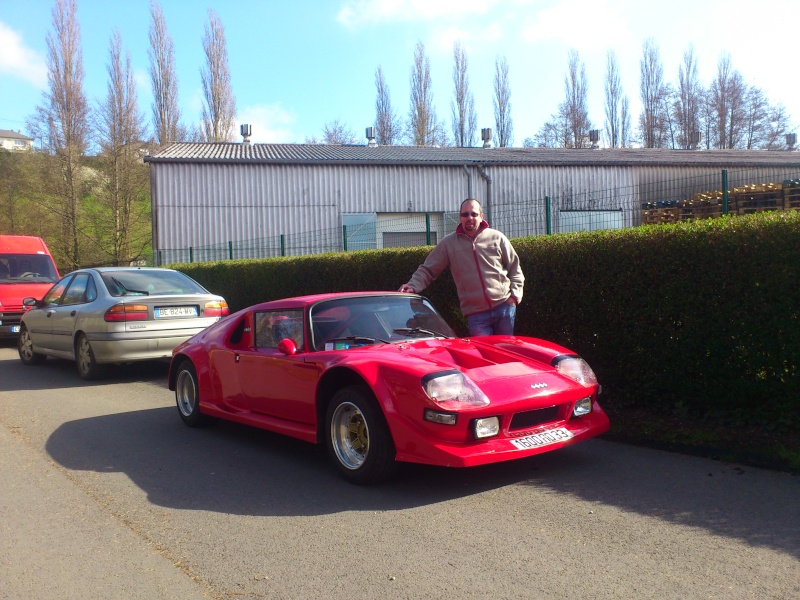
104 493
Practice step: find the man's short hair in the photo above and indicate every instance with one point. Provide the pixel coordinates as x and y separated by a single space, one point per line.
471 200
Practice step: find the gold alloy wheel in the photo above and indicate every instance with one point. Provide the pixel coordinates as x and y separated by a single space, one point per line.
350 435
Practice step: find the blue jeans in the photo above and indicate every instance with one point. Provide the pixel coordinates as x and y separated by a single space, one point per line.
497 321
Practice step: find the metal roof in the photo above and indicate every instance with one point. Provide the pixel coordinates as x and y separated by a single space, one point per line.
309 154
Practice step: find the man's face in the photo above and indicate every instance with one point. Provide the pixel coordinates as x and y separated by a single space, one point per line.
471 217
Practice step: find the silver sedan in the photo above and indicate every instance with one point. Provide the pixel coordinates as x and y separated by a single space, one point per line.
116 315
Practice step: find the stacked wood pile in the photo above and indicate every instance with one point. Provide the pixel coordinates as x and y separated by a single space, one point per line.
743 200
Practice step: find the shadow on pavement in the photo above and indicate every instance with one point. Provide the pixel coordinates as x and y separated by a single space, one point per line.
229 468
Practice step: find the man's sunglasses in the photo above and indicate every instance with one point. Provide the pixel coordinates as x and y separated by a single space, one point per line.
470 214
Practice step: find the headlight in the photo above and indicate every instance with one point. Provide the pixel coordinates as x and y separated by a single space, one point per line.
582 407
575 368
486 427
453 390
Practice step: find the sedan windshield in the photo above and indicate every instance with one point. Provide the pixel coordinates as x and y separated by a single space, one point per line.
359 321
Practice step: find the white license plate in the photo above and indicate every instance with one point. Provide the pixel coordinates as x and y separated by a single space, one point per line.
168 312
552 436
15 329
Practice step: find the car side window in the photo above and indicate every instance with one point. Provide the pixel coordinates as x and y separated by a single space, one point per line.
274 325
76 292
57 291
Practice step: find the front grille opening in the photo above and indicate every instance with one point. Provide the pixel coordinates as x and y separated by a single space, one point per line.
532 418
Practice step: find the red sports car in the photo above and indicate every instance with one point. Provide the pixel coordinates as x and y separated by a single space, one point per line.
379 377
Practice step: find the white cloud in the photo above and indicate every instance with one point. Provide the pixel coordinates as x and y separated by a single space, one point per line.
18 60
271 124
356 13
579 24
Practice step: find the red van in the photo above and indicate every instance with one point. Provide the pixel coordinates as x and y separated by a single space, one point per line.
26 269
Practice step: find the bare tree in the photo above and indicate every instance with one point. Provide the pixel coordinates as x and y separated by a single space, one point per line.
423 124
707 120
756 119
687 100
334 133
625 123
387 122
669 121
651 92
465 121
728 92
164 79
575 107
219 110
62 120
613 101
120 215
777 128
504 126
556 133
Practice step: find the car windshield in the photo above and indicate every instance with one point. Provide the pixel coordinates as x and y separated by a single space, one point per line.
27 268
359 321
149 282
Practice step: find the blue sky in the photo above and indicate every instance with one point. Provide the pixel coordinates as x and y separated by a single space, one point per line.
296 65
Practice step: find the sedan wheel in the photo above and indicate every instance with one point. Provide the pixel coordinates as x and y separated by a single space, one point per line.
358 440
25 349
187 395
84 359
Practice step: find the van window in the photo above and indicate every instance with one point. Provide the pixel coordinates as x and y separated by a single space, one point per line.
27 268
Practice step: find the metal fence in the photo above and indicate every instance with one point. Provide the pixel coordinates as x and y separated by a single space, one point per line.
567 212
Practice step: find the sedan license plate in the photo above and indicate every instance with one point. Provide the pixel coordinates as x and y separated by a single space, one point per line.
542 439
15 329
169 312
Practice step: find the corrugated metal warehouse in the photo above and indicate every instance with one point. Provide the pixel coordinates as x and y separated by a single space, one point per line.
240 200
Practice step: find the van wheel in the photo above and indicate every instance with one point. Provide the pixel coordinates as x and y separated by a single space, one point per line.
84 359
25 349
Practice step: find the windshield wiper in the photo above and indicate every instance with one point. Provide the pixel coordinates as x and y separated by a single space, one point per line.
356 338
126 291
413 330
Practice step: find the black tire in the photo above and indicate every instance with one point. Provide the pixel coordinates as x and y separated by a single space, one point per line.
187 395
84 360
358 438
25 349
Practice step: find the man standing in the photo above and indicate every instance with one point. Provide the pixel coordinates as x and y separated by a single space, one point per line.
485 268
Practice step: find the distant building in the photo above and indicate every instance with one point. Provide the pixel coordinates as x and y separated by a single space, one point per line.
242 200
13 140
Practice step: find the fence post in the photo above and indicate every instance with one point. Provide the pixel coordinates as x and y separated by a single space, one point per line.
724 191
191 254
547 215
283 246
344 237
230 250
427 229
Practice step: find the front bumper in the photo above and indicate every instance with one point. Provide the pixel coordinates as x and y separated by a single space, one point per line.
424 449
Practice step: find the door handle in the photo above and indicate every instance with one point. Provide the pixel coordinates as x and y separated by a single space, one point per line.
236 357
73 313
50 313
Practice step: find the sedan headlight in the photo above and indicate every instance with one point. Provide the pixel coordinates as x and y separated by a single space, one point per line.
575 368
453 390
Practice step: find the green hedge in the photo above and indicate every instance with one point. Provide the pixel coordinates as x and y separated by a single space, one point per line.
698 318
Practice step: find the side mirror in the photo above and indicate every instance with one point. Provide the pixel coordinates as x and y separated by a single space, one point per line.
29 302
287 346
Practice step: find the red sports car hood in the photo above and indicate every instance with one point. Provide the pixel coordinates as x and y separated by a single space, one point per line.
502 366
